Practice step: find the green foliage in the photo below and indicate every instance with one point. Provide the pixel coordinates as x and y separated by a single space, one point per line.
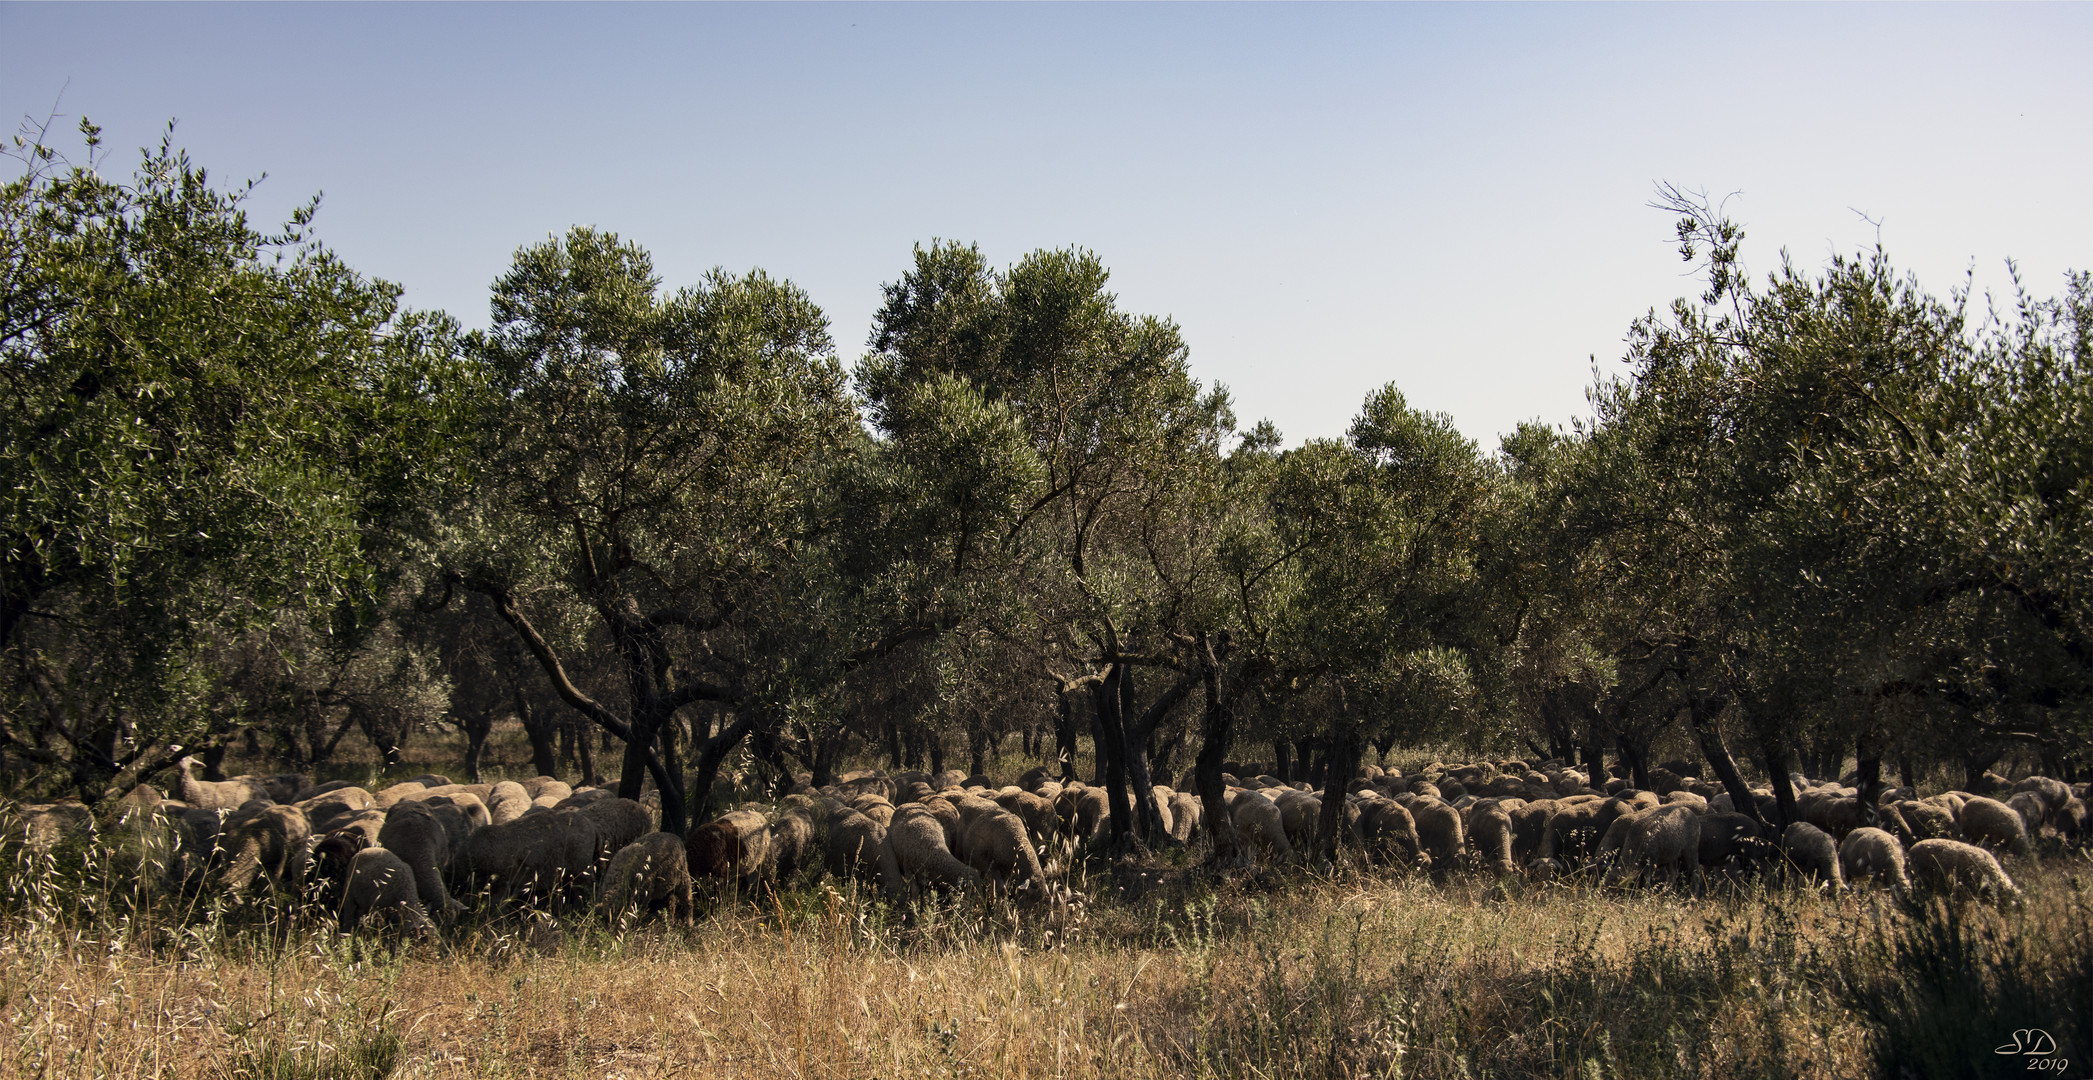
205 426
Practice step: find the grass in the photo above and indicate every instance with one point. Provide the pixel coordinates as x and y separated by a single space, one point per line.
1163 971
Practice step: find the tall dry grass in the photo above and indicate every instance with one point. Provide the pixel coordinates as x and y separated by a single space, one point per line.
1164 971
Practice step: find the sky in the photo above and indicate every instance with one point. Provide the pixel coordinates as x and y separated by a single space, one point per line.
1326 198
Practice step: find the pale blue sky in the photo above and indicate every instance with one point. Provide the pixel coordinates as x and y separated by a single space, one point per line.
1326 198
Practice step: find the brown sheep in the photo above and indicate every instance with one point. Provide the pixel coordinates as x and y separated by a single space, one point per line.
270 841
1438 831
648 874
791 844
1929 821
1732 841
330 808
506 801
733 848
853 845
1185 812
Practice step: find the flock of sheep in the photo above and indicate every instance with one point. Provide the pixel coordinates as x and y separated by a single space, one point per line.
405 855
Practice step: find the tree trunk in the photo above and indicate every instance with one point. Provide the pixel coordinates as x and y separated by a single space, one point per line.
539 729
1111 752
1282 760
1702 714
1341 759
1773 754
476 728
1065 736
711 753
1216 721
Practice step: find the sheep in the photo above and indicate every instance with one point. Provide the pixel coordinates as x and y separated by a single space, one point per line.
507 801
791 841
413 831
1257 817
2052 793
1185 813
1928 820
915 850
221 795
1438 831
997 848
270 840
1836 814
618 823
1390 833
1035 812
1990 823
549 855
2034 813
648 873
1732 840
385 797
1490 835
330 862
734 847
546 787
853 844
1871 852
327 809
381 886
1812 852
1948 865
43 826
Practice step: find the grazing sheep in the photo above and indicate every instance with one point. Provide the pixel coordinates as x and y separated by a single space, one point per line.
1949 865
1812 852
1438 831
548 856
221 795
1390 834
2034 813
1836 814
1993 824
735 847
380 886
1490 834
507 801
853 845
915 850
791 843
2071 820
2053 794
384 798
1734 841
1873 853
328 865
43 826
649 873
270 841
996 847
1185 813
329 808
1037 814
546 787
1928 820
618 822
414 832
1257 818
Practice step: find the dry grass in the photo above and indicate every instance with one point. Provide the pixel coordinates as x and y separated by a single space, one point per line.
1170 973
